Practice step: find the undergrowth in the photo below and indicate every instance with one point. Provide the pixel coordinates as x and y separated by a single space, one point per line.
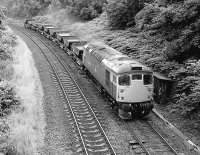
8 101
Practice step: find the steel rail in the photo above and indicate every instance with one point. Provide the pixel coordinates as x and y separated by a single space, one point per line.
85 99
165 141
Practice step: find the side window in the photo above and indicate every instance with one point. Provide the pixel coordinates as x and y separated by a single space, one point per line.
107 77
124 80
136 77
114 79
148 79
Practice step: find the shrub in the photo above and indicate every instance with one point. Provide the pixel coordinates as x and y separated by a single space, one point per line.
121 13
86 9
88 13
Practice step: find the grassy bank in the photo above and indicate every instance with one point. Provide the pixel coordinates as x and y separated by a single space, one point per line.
21 119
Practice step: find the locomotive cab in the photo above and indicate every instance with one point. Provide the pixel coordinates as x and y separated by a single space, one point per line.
134 92
135 87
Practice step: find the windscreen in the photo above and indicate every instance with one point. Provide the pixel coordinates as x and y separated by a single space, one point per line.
148 79
124 80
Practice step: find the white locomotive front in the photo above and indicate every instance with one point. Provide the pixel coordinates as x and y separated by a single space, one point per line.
127 82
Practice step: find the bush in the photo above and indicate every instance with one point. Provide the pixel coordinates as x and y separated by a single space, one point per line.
88 13
86 9
7 100
121 14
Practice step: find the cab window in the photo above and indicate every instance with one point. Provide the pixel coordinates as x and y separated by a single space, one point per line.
148 79
124 80
136 77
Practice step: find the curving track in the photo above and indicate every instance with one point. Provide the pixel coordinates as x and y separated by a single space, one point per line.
93 139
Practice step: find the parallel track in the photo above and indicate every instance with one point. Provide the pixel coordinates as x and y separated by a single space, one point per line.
91 133
149 139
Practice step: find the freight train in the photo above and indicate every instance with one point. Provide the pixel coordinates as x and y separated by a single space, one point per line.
126 82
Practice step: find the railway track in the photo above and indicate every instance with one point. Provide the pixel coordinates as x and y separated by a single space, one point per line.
91 134
147 140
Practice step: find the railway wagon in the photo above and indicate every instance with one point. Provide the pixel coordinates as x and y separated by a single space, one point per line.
72 40
42 28
34 25
58 34
62 35
128 83
52 32
64 41
27 23
77 51
47 31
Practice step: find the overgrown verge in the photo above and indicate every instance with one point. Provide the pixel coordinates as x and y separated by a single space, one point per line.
21 113
8 100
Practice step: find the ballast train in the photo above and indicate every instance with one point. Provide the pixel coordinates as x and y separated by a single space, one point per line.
127 83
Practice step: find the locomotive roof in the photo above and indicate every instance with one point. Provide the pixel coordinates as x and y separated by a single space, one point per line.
115 60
